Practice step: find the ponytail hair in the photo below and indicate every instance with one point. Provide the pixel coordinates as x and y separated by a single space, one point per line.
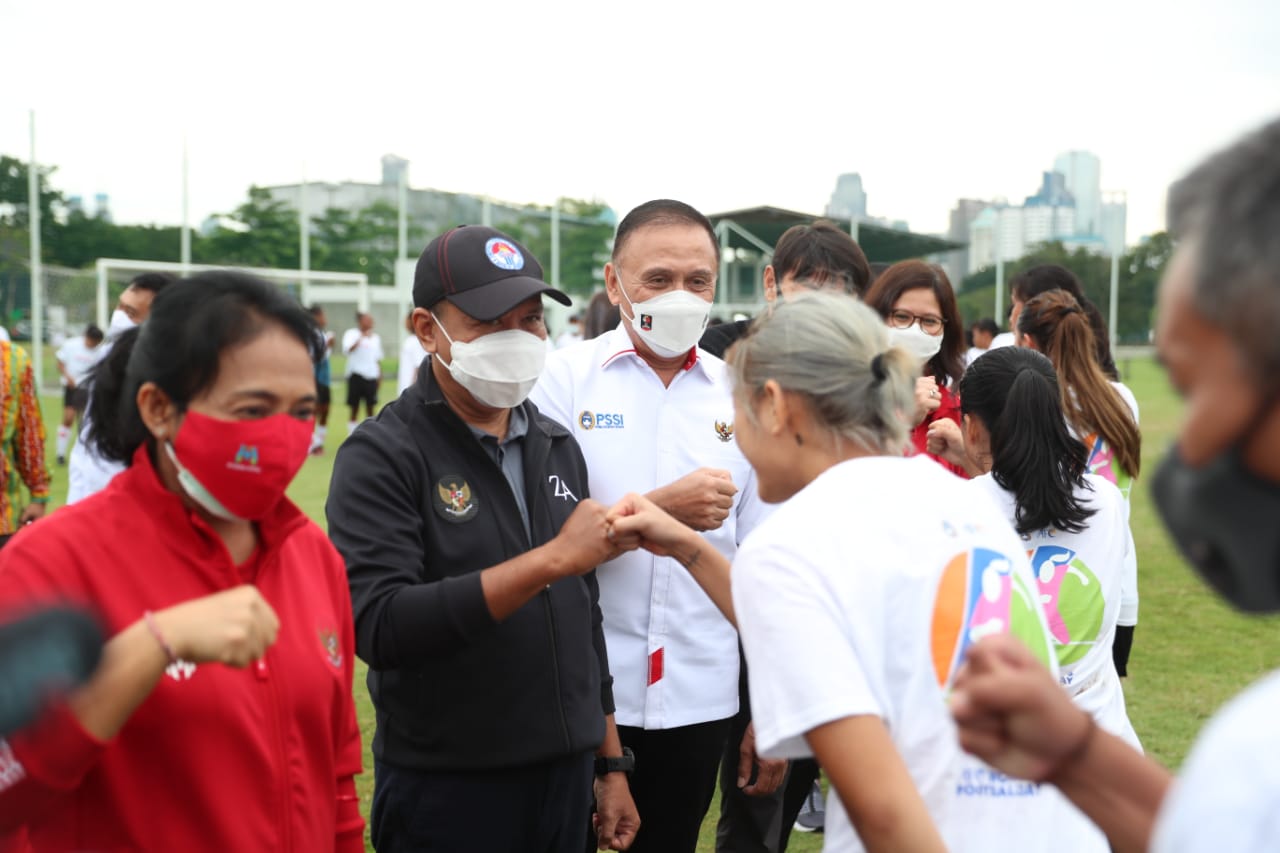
1060 329
1014 393
834 352
179 347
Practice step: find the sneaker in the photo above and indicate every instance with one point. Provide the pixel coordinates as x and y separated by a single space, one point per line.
812 815
62 460
318 450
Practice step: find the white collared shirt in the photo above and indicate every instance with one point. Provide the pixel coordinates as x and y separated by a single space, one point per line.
673 656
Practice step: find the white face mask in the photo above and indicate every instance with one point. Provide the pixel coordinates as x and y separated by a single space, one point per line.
916 341
120 323
499 369
670 324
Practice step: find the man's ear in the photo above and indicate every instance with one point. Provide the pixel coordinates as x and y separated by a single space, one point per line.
612 285
158 412
770 284
427 330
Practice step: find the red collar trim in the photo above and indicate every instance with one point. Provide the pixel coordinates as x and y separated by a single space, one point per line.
689 361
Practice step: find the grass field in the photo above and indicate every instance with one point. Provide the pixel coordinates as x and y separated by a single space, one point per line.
1190 652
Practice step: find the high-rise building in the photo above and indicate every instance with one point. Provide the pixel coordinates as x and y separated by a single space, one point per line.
102 206
1082 175
393 169
849 201
1113 221
962 216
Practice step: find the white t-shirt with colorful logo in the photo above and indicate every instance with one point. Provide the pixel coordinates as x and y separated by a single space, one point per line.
860 595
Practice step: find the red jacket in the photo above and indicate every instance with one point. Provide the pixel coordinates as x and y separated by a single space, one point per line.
216 758
948 407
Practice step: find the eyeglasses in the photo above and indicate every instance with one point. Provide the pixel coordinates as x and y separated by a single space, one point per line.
930 324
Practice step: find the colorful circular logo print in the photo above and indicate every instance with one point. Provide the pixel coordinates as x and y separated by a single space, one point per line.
1071 596
979 595
1103 463
503 254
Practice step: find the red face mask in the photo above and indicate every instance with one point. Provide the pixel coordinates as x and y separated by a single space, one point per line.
238 470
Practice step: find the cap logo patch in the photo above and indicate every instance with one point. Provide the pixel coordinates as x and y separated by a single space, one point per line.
503 254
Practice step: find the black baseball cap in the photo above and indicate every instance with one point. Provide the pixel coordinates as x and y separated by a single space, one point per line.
482 271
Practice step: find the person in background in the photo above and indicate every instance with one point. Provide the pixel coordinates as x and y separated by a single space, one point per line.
225 686
76 358
982 333
572 333
1076 528
22 434
1027 285
324 394
917 303
86 472
887 564
363 348
411 356
602 316
1218 493
1102 413
806 257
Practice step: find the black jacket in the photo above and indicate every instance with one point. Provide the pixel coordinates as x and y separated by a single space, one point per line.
418 508
718 338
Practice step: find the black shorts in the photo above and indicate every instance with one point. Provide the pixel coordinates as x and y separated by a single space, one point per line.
323 395
361 390
75 398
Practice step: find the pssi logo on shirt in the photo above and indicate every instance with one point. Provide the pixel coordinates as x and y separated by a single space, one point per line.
979 595
246 459
600 420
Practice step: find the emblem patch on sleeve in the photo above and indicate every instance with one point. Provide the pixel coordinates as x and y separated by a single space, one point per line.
453 499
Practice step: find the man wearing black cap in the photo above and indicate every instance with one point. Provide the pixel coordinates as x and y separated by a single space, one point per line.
471 546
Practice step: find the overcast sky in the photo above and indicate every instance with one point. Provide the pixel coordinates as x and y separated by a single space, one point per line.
721 104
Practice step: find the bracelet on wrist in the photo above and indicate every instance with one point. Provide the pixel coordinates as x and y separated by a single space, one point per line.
150 619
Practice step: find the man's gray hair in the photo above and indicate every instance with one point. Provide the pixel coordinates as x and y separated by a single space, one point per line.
1228 209
821 346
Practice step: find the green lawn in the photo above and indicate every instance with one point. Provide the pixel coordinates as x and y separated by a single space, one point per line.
1190 652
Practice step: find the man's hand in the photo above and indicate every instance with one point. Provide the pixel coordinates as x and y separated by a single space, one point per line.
772 771
701 500
616 819
583 542
32 512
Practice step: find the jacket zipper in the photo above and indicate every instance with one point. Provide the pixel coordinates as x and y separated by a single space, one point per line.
555 666
273 700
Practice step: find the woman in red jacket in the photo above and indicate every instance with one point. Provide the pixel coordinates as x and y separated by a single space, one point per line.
221 717
917 302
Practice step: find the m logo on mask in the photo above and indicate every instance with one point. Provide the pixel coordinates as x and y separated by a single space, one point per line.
646 322
246 458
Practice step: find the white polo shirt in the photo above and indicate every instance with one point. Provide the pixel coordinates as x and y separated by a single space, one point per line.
363 360
411 356
673 656
78 358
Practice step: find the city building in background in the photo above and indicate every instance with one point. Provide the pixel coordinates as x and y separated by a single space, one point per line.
849 200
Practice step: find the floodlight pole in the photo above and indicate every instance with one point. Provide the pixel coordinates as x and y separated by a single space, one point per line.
37 268
402 217
304 240
853 227
555 244
1114 306
999 318
185 245
486 212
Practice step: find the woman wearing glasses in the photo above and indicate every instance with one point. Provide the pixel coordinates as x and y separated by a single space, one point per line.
917 302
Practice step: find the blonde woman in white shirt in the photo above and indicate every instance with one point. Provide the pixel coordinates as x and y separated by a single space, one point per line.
889 565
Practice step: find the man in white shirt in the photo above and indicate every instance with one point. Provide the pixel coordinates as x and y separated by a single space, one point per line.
572 333
983 333
87 472
653 414
363 348
411 356
76 358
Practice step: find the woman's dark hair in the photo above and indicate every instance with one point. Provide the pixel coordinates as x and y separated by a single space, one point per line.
602 315
948 365
179 348
1029 284
1013 391
1057 325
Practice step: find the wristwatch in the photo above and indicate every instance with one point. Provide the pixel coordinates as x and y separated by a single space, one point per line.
624 763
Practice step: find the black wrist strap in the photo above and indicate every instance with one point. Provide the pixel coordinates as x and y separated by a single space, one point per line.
624 763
